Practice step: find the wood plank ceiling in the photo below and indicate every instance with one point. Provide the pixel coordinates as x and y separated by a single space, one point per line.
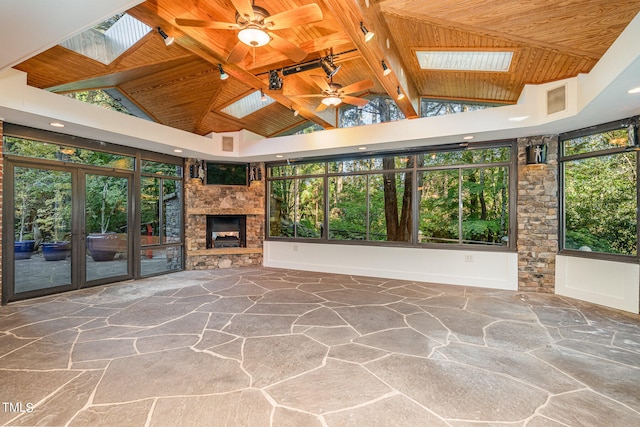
180 85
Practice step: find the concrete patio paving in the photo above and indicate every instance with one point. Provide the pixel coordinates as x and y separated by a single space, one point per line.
260 347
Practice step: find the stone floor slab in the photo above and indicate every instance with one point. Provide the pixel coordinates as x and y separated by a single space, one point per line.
325 349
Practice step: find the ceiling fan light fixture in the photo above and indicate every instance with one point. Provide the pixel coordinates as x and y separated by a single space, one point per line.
168 40
331 101
400 94
329 67
223 74
253 36
368 35
385 70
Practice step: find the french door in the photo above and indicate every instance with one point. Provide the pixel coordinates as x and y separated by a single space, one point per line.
71 228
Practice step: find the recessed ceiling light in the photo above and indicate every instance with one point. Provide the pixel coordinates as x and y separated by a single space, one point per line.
634 90
362 148
468 137
57 124
177 150
279 156
518 119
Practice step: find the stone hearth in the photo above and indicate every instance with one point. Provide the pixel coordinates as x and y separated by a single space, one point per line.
226 201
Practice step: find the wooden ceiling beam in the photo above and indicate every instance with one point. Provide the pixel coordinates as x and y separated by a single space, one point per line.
349 14
157 13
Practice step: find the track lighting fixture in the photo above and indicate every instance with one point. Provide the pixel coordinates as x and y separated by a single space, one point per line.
263 97
385 70
400 94
167 39
275 81
223 74
295 112
329 67
368 35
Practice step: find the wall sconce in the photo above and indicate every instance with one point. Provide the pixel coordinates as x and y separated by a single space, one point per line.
196 170
537 154
255 173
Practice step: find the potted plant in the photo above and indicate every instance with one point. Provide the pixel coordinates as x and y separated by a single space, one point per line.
106 211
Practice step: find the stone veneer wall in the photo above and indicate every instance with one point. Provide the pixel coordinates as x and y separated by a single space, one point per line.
202 200
537 216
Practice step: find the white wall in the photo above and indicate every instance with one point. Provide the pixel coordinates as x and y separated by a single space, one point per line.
497 270
612 284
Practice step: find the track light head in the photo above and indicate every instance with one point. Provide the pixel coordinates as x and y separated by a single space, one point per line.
368 35
168 40
263 97
329 67
223 74
385 70
400 94
275 81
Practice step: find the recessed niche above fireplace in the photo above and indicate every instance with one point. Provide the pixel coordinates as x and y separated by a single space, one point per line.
226 231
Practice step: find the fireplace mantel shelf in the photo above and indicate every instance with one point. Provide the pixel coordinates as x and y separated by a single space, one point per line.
222 211
224 251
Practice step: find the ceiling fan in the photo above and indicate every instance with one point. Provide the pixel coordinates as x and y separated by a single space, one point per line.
256 26
334 94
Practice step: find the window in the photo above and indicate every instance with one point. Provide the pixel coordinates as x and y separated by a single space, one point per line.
445 196
441 107
600 189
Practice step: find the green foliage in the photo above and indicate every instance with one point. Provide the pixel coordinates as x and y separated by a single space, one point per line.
101 99
600 203
106 204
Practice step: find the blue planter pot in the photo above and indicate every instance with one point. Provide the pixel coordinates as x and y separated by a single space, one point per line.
57 251
23 249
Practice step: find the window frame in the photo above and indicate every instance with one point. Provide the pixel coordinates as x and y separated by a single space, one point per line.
512 189
564 159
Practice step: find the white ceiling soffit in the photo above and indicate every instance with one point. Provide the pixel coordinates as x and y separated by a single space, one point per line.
30 27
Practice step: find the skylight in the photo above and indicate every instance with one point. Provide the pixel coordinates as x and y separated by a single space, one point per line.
109 39
247 105
465 60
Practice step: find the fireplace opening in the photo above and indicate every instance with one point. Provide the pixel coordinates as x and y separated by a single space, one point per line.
226 231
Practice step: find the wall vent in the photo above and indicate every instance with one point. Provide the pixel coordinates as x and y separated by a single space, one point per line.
556 100
227 143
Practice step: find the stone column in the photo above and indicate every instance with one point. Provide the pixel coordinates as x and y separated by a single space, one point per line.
537 217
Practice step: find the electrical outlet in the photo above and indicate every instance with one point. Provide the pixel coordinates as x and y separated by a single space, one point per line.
468 258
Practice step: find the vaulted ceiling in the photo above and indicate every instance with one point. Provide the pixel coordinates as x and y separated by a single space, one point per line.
180 86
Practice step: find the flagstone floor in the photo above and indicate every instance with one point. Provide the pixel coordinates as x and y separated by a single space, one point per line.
261 347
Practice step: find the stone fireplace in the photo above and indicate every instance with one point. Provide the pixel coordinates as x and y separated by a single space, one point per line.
226 231
224 225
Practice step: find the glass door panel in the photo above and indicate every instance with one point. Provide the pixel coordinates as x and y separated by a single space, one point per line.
42 234
106 226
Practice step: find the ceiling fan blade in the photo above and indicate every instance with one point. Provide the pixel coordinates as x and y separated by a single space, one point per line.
206 24
308 96
357 87
287 48
244 8
321 107
352 100
321 82
238 52
290 18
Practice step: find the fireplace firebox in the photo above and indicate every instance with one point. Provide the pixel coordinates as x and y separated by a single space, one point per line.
226 231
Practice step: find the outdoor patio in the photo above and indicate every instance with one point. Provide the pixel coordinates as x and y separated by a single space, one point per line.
254 347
